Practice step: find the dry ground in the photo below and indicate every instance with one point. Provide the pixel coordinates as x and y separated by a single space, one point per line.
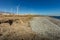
28 27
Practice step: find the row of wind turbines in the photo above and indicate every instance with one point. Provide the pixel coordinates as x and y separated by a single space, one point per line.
11 10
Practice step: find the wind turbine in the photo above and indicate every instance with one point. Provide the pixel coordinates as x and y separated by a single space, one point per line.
18 9
11 10
5 10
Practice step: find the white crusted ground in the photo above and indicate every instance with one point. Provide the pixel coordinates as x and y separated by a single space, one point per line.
46 28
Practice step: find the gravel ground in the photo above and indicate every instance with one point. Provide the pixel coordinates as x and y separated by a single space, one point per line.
45 28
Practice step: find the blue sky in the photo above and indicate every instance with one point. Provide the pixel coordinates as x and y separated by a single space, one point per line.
41 7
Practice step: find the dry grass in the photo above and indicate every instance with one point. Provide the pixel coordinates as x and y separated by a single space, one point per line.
20 29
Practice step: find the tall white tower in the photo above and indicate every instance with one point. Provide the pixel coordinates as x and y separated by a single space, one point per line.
11 10
17 9
5 10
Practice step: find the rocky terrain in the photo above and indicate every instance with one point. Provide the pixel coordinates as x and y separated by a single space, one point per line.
29 27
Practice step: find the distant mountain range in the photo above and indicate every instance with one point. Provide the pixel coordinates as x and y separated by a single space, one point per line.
5 13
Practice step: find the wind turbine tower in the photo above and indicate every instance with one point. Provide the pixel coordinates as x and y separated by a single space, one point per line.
4 10
11 10
17 9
